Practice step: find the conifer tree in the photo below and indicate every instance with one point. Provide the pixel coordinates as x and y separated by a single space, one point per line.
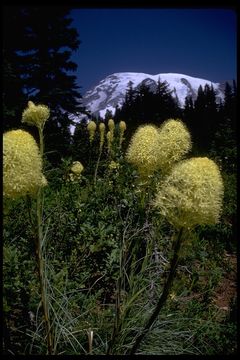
224 144
144 103
142 106
108 115
41 56
12 84
130 94
165 105
128 107
188 112
205 117
199 103
188 105
12 90
230 97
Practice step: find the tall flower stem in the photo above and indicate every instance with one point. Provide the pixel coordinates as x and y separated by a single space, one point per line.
163 297
41 145
97 165
40 259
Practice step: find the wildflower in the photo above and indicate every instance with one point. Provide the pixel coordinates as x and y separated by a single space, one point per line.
91 129
71 177
192 193
77 167
174 143
35 115
122 128
172 296
109 140
102 131
22 164
113 165
111 125
143 149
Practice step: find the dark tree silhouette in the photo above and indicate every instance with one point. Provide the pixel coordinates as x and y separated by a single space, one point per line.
205 119
224 145
143 105
40 55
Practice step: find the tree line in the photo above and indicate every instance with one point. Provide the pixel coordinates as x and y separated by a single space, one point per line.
203 115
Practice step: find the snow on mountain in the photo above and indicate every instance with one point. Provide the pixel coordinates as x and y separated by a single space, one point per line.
111 91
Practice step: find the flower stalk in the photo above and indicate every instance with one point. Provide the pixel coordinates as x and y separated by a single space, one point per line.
122 129
102 132
40 259
91 129
40 262
164 296
37 115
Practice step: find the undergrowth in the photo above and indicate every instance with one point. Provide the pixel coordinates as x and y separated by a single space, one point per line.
106 257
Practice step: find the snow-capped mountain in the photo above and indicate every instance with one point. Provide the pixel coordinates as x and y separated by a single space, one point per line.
111 91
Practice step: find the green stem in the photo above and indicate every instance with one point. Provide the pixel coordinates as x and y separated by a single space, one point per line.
40 262
164 295
41 145
96 169
40 259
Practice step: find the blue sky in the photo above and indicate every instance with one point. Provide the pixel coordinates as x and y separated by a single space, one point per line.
195 42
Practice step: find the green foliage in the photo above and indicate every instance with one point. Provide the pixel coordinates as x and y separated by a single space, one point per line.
20 295
106 255
224 234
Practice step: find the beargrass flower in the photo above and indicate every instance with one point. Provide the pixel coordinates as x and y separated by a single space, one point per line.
143 149
114 165
91 129
191 194
77 167
122 128
174 143
111 125
109 140
35 115
22 164
102 131
75 171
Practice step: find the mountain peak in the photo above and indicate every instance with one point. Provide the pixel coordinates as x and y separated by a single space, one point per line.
110 92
